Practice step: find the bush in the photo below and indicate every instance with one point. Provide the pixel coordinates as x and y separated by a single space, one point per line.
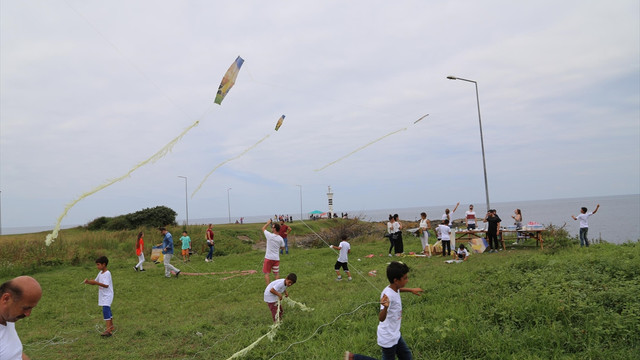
150 217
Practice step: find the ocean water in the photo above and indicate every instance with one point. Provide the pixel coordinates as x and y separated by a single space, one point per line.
617 220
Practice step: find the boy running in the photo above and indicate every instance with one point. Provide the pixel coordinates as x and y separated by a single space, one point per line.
343 258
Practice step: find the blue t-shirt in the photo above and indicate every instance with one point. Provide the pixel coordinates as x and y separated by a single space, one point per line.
186 242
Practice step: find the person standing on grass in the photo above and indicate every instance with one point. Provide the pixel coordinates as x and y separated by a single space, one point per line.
390 231
274 292
18 297
186 246
390 316
445 237
397 241
139 252
284 232
425 225
493 230
343 258
447 213
470 218
105 292
584 224
167 251
272 255
210 243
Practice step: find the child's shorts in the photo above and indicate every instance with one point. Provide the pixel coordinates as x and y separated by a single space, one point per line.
106 313
341 264
185 252
271 265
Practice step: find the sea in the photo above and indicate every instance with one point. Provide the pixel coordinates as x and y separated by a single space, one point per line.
617 221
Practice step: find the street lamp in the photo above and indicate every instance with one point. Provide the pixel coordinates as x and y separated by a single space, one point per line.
229 205
484 163
300 186
186 198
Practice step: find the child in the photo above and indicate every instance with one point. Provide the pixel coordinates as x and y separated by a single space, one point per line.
140 252
390 316
584 224
186 246
461 254
105 292
445 237
274 291
343 258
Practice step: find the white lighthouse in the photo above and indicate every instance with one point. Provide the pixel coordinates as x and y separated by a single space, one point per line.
330 199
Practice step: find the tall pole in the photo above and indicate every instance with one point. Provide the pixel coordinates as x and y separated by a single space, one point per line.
484 163
300 186
229 205
186 198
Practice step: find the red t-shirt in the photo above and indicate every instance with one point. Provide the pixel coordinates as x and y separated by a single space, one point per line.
283 231
139 246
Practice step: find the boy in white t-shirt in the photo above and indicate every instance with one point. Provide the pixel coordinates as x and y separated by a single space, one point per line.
461 253
445 236
343 258
584 224
272 251
274 292
105 292
390 316
470 218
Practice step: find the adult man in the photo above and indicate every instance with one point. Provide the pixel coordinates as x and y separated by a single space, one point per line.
17 298
493 230
584 224
470 218
167 250
271 256
284 232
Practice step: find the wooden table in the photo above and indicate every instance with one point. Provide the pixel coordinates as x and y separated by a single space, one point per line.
468 235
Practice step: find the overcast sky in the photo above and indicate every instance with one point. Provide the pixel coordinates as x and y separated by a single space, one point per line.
89 89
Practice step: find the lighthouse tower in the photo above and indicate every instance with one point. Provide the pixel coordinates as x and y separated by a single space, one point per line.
330 198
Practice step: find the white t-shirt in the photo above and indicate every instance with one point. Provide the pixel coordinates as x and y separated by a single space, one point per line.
274 243
463 252
389 329
584 219
105 295
10 344
471 217
344 252
275 284
444 232
444 216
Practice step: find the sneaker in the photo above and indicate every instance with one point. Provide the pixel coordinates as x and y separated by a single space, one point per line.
390 255
178 274
349 278
347 355
143 270
106 334
338 279
135 268
206 260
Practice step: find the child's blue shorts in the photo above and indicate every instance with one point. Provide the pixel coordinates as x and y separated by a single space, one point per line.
106 313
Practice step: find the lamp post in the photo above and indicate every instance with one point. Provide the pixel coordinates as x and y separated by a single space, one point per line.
186 198
229 205
484 163
300 186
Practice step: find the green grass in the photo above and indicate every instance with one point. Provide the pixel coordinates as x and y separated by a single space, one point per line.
568 303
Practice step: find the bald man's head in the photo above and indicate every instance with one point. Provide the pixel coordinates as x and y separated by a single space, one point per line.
18 297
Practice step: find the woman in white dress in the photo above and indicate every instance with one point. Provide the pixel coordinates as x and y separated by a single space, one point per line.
425 225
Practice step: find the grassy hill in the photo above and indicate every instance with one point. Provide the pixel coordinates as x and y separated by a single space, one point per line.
521 303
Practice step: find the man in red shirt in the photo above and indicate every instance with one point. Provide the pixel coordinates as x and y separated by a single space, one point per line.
284 231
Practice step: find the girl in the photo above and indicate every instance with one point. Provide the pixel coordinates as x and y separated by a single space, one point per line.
425 225
140 252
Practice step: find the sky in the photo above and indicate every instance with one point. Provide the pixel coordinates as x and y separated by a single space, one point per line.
89 89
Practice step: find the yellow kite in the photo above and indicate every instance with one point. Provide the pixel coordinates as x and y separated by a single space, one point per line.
228 80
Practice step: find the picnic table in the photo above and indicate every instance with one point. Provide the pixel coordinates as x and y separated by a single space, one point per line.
468 235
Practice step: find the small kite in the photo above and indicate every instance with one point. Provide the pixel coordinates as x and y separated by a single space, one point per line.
420 119
228 80
279 123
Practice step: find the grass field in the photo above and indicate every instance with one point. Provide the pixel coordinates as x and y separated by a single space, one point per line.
568 303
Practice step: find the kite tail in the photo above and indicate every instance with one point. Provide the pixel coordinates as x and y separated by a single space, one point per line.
360 148
271 334
155 157
226 161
